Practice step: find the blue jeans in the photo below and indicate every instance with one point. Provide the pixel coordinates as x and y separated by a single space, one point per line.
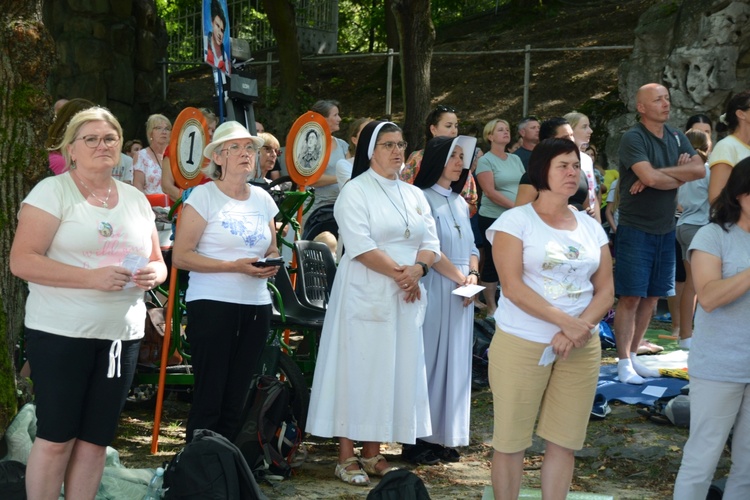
645 265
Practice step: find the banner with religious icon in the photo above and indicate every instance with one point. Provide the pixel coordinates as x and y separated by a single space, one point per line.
216 45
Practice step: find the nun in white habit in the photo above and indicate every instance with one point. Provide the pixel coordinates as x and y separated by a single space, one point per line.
370 383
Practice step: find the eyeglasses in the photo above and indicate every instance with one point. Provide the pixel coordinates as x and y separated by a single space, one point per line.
160 128
390 145
269 150
93 141
236 149
444 109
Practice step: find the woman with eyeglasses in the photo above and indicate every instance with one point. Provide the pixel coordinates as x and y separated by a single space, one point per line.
268 157
147 169
226 228
88 248
370 383
441 122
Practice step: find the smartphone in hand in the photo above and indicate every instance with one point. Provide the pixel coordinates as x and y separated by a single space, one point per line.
269 262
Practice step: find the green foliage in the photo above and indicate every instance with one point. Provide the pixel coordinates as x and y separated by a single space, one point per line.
356 20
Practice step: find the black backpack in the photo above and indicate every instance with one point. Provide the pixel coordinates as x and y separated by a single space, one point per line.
13 480
269 435
210 467
400 484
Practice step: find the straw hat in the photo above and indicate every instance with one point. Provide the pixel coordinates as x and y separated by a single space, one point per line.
230 131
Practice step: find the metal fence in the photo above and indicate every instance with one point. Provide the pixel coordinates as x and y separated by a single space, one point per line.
391 56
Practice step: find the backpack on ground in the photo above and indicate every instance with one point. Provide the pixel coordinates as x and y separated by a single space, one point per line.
13 480
269 435
210 467
400 484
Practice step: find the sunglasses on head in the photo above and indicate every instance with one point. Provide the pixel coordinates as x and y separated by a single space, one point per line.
444 109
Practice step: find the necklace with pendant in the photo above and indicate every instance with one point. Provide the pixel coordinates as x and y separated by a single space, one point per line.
405 215
105 200
455 223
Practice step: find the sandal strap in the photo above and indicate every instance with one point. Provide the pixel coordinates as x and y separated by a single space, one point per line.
372 460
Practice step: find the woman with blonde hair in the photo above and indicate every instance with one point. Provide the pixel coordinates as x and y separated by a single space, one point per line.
147 169
498 173
582 136
88 248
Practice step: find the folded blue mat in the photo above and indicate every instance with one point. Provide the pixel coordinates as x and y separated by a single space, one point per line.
631 394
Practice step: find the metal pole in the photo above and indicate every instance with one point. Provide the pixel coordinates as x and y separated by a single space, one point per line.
526 80
164 78
389 84
269 58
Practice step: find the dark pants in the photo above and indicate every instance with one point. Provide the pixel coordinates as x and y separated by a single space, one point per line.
489 272
226 341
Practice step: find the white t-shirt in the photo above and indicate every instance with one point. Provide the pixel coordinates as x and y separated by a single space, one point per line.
235 229
557 264
91 237
587 166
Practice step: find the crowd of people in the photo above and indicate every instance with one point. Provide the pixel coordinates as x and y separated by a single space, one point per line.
524 220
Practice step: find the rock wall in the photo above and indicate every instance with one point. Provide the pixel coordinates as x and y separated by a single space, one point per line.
108 52
698 49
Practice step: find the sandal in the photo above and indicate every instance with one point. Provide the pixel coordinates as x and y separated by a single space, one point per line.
357 477
369 465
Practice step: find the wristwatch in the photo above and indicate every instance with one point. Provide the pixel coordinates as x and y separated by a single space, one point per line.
425 267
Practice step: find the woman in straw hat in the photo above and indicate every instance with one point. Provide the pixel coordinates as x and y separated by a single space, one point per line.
227 226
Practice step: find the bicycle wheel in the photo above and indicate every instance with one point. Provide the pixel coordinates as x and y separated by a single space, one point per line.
288 372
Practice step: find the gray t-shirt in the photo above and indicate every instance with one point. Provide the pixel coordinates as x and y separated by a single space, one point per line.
720 350
652 210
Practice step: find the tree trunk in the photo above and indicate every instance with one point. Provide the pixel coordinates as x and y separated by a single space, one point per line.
417 35
26 55
281 17
391 27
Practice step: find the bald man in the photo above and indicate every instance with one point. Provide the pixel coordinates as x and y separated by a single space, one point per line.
655 159
59 104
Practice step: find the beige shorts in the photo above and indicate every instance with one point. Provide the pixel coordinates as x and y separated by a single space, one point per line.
561 394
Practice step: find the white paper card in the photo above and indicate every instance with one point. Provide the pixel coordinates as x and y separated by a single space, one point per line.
654 390
132 262
548 356
468 290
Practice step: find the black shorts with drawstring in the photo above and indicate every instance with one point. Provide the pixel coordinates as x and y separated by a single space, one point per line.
74 397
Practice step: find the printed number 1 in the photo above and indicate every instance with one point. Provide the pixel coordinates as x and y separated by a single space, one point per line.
192 143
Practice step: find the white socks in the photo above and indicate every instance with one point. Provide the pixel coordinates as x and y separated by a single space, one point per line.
627 374
685 343
642 370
